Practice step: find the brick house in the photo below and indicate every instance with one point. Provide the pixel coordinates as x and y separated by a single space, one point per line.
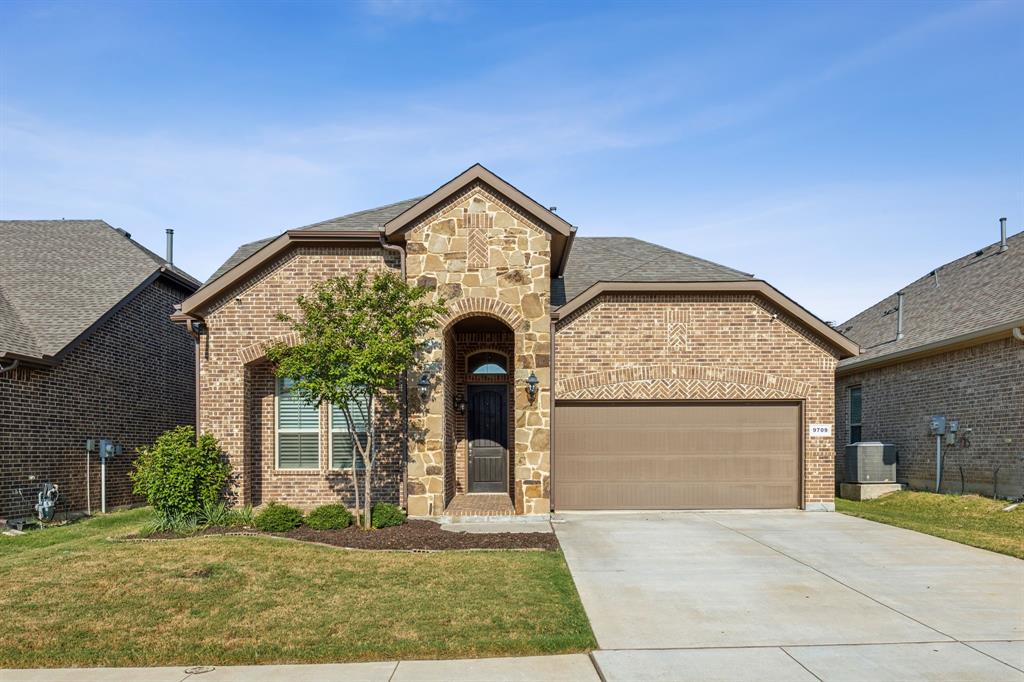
86 352
661 380
949 344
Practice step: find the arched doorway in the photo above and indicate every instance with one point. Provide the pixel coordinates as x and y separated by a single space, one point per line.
479 413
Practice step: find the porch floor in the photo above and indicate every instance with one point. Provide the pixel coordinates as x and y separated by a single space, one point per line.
480 504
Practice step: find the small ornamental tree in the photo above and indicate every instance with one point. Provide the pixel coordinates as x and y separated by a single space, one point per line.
357 337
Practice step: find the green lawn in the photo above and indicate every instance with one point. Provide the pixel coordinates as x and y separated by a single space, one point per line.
68 597
970 519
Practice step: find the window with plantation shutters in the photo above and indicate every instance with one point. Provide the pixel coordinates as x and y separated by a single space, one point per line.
298 429
342 440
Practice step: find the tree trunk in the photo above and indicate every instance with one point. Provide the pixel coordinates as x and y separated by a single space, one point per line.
368 469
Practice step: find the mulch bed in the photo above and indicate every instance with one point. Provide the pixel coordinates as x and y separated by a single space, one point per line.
412 535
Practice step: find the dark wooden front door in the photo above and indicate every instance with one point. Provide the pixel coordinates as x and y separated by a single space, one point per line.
487 431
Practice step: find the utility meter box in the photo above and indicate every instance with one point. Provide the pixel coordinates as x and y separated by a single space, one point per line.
870 462
937 424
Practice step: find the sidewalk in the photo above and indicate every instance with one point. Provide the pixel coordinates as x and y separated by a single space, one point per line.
564 668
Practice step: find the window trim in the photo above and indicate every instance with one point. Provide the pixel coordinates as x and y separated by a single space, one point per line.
849 413
330 442
278 382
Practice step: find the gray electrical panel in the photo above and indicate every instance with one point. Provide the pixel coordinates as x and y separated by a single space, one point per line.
870 462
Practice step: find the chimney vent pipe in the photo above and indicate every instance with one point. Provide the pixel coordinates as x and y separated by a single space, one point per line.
899 316
1002 235
170 246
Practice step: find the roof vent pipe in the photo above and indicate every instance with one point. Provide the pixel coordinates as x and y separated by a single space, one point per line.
170 246
899 315
1002 235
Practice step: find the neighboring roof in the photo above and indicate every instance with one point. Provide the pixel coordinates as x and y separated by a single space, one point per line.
369 220
59 277
962 300
843 345
625 259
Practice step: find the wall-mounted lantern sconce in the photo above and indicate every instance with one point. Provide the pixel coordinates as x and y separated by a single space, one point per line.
424 386
460 404
532 383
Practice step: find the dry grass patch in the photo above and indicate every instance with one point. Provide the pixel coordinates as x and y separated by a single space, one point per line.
969 519
71 598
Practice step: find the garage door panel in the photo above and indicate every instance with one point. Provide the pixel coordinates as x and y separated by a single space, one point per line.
677 456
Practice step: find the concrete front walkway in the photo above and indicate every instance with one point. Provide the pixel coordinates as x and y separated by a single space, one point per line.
791 595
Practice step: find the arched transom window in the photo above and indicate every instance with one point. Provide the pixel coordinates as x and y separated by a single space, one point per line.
487 363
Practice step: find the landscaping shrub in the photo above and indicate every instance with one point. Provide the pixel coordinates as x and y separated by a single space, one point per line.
277 518
179 473
385 514
329 517
241 516
213 514
165 522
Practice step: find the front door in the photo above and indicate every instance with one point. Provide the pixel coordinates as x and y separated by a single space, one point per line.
487 431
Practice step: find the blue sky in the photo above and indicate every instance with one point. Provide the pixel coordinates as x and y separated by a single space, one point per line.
838 150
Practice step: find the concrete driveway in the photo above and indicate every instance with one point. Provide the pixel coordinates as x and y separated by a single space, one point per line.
791 595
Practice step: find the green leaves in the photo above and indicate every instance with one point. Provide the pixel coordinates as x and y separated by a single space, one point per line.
179 474
357 335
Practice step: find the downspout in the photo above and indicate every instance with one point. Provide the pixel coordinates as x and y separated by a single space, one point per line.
551 422
404 387
1018 333
10 368
195 328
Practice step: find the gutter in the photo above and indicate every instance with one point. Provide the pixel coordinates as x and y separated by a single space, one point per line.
560 269
968 339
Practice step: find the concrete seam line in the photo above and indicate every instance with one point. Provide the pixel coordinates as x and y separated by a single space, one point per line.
837 580
800 664
393 671
985 653
597 667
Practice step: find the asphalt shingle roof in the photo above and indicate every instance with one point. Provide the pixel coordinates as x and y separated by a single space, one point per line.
626 259
592 259
57 277
369 220
972 293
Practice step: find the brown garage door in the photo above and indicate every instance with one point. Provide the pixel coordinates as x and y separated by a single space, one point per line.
677 456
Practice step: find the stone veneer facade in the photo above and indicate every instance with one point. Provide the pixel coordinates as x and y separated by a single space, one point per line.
486 258
689 346
981 386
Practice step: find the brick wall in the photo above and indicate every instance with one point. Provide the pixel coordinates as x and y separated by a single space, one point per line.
237 384
701 347
982 387
132 379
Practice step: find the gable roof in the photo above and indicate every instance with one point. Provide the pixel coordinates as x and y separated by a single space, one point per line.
368 220
59 277
975 295
626 259
477 173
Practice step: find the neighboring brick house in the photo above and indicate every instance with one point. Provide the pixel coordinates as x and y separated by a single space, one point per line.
662 380
86 352
949 344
